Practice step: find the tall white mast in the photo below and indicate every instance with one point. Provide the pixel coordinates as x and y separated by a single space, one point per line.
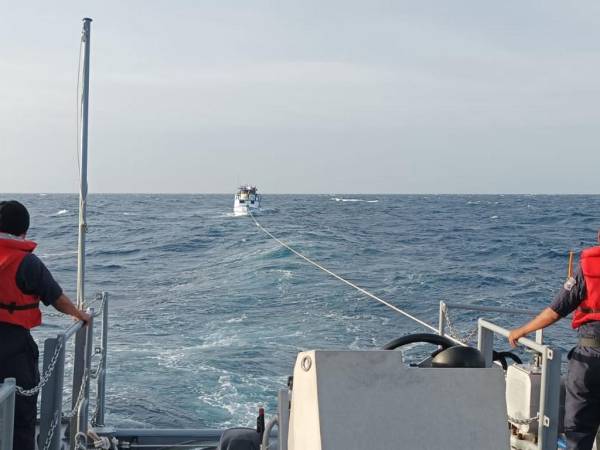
83 147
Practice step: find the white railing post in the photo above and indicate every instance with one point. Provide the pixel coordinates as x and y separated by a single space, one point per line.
485 343
52 392
84 341
549 399
98 417
442 318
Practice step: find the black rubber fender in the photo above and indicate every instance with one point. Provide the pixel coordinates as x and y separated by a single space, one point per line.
501 357
429 338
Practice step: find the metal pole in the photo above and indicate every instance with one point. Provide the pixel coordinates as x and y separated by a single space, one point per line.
442 319
78 372
549 399
83 413
101 386
283 413
84 340
527 312
503 332
485 343
539 336
51 405
83 147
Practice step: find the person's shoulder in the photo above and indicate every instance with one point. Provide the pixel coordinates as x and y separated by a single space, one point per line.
33 259
32 264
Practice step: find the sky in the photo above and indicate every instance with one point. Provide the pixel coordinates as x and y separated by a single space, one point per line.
195 96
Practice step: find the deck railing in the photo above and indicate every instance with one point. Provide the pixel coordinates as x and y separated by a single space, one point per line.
550 357
52 415
51 412
549 384
444 318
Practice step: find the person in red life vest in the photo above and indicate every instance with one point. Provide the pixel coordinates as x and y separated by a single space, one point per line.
24 283
581 295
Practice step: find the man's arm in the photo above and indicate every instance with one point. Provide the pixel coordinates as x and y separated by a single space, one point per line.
566 301
66 306
547 317
34 278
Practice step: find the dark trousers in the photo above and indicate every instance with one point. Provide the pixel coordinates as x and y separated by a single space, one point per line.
582 402
19 359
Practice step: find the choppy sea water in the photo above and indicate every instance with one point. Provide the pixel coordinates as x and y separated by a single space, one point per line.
207 313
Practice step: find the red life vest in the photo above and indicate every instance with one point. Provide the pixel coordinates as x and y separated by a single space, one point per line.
589 308
15 307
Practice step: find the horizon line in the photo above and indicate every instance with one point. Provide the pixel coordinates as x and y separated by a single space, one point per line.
308 193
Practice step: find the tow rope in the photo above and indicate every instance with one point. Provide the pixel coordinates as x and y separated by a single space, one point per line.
343 280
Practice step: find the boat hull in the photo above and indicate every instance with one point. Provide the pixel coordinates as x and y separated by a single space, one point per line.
245 209
246 201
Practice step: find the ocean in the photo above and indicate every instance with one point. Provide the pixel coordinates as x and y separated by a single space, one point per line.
207 313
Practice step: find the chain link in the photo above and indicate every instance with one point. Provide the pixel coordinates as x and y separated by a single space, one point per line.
80 396
80 445
527 421
100 310
44 380
69 415
46 376
94 418
467 338
53 426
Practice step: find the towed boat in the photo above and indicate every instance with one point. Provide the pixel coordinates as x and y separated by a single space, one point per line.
246 201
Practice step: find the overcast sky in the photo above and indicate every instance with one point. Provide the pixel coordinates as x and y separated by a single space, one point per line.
306 96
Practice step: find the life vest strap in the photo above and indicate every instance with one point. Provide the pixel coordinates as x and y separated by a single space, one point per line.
12 307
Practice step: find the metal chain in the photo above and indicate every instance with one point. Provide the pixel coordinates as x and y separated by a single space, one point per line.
78 444
53 426
95 415
97 407
100 310
455 333
46 376
82 388
528 421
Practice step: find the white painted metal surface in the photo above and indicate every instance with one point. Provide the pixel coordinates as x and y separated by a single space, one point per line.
357 400
283 413
83 148
523 396
246 200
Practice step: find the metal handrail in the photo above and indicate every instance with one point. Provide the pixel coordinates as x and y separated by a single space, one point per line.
52 391
549 383
446 306
98 416
7 413
550 363
498 309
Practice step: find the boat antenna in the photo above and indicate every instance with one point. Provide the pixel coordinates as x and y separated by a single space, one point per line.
83 148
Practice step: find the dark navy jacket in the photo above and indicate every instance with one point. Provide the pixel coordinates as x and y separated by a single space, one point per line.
567 301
